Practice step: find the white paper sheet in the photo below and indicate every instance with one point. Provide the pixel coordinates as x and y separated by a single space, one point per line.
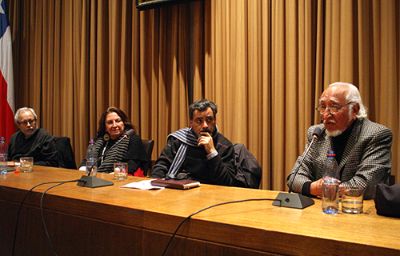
142 185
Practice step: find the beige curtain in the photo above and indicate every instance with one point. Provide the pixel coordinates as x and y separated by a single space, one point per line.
264 62
267 62
75 58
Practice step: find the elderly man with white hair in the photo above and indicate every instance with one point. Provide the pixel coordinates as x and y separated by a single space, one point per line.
31 141
362 147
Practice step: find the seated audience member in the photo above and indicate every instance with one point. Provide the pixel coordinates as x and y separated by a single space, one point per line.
117 141
362 147
31 141
199 152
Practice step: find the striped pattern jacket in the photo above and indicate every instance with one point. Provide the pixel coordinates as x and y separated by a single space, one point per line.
128 149
114 154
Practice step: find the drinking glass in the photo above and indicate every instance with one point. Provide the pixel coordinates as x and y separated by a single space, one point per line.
26 164
352 200
120 171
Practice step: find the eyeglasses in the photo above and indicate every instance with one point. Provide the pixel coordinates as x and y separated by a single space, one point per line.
26 122
332 109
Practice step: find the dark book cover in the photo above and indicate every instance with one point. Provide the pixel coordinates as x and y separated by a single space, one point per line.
177 184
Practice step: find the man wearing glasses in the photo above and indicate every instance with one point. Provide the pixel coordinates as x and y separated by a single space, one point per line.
31 141
362 147
200 152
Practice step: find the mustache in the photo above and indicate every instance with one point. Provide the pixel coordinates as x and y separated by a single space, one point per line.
206 130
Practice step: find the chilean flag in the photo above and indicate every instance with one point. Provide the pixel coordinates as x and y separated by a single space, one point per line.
6 77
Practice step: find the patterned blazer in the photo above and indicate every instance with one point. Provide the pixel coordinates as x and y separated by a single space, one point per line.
366 160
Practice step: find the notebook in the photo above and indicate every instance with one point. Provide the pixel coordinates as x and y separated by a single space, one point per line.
176 184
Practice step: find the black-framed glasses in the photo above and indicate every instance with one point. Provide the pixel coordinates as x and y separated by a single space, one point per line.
26 122
333 109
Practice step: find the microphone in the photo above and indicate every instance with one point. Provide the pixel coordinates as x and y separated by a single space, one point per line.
295 200
91 181
129 133
315 135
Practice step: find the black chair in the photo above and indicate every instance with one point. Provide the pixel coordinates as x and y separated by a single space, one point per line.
248 169
392 180
148 147
65 153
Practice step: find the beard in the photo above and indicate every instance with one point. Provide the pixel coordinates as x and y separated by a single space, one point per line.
206 130
333 133
338 132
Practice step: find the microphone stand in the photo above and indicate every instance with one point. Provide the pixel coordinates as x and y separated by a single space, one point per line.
295 200
92 181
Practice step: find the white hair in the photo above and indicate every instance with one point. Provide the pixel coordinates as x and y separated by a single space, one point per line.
353 96
24 109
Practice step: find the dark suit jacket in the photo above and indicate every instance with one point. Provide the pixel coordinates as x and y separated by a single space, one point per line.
40 146
366 160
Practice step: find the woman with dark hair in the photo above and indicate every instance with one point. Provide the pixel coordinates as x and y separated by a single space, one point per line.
117 141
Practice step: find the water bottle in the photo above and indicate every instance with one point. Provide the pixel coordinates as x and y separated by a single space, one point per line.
91 159
330 185
3 155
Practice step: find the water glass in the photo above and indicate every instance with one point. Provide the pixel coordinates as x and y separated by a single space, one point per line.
330 195
3 163
352 200
26 164
120 171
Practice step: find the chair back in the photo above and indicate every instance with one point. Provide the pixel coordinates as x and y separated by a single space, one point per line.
148 147
392 179
248 169
66 157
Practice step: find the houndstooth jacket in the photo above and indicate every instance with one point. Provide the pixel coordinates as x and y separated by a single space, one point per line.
366 160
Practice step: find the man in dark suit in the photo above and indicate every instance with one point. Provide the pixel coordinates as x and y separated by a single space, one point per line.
32 141
201 152
362 147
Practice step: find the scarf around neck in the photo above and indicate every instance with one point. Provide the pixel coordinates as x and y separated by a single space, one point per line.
188 138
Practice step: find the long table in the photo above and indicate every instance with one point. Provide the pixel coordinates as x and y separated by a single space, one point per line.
120 221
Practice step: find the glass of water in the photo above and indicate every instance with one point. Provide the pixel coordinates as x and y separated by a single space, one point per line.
352 200
330 195
120 171
26 164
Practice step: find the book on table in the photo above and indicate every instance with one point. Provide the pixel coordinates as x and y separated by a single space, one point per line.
177 184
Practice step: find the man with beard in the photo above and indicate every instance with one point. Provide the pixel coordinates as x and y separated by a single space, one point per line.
199 152
31 141
362 147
